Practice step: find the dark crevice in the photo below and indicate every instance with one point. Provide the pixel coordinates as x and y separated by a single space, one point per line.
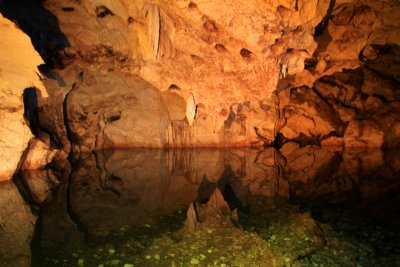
113 118
31 115
174 87
279 141
192 5
319 30
246 54
68 9
229 195
385 100
102 11
131 20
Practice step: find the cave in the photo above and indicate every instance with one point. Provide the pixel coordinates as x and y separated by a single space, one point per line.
199 133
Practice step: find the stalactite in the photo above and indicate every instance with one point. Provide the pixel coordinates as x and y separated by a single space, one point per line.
153 24
190 109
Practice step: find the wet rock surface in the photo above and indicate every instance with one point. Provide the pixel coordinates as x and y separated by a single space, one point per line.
17 226
301 206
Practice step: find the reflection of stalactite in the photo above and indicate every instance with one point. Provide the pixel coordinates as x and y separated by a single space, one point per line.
180 162
280 163
180 133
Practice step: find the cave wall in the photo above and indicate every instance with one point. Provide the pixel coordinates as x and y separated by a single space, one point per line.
352 108
211 70
209 74
18 71
236 69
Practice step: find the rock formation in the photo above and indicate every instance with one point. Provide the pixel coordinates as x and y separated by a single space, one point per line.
18 71
202 74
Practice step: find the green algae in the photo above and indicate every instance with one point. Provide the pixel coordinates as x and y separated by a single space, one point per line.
284 236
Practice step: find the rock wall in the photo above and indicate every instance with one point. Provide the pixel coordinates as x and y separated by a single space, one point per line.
352 108
205 74
224 74
209 72
18 71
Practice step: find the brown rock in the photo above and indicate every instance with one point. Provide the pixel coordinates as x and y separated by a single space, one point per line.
305 113
333 142
41 183
18 71
363 134
39 155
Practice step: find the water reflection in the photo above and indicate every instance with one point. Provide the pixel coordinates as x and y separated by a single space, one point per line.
16 227
122 207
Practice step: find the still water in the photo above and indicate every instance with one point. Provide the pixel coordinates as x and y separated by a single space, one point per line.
205 207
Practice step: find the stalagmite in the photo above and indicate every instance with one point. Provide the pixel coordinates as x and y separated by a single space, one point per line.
191 219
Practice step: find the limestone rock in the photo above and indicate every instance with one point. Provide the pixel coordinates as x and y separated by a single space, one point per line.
305 113
192 74
41 183
39 155
18 71
173 46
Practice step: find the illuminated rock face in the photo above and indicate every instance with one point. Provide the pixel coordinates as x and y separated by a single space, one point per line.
159 74
18 71
206 74
210 69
